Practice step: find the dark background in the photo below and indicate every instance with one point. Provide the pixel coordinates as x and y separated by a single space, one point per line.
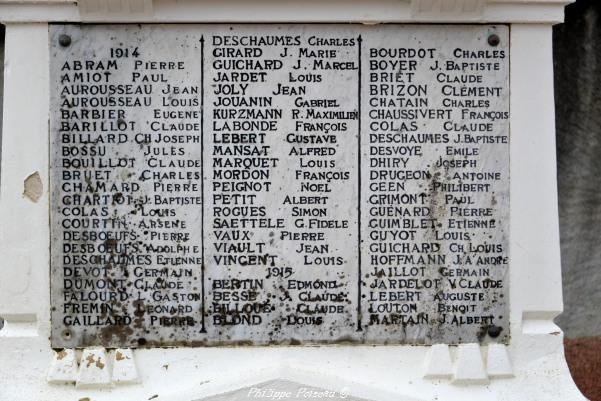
577 64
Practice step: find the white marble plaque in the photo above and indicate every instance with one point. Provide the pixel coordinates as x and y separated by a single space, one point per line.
279 184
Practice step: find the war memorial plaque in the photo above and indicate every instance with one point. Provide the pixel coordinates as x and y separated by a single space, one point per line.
279 184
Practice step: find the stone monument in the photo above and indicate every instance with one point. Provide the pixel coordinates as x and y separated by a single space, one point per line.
278 200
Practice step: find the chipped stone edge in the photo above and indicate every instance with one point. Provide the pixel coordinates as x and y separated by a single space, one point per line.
464 364
64 367
438 363
33 187
124 367
93 367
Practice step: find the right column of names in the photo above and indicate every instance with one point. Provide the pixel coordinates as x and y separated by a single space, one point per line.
435 187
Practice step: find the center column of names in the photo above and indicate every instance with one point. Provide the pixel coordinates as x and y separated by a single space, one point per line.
281 184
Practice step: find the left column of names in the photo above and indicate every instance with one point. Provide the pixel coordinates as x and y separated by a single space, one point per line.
127 188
